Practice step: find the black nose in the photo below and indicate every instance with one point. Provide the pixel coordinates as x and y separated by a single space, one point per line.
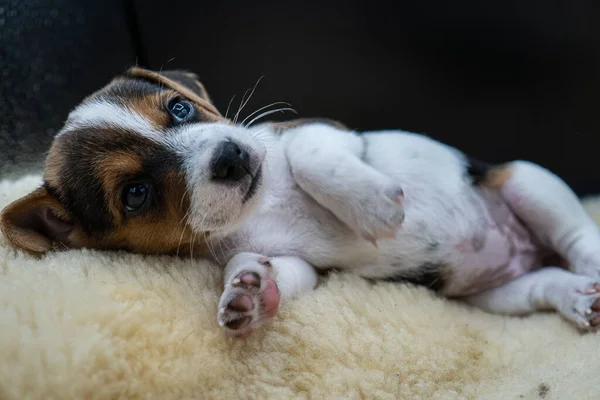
230 162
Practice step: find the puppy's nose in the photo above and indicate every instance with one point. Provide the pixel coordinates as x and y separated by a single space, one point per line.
230 163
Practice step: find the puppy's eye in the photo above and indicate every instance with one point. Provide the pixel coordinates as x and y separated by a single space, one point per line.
134 196
180 110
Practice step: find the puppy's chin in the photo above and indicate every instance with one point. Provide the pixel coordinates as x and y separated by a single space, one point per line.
221 209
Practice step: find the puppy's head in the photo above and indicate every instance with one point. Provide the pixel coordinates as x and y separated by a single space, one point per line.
146 164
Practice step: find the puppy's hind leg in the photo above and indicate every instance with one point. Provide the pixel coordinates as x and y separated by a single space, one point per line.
575 297
552 211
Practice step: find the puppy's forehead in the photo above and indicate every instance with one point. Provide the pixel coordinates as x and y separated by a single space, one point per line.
136 105
126 104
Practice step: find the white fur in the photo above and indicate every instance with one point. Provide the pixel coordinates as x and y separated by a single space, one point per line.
331 198
103 113
553 211
290 221
546 289
214 206
326 194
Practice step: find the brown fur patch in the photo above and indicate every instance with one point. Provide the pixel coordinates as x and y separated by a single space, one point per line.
283 126
188 79
55 162
86 169
112 170
161 231
497 176
152 107
178 87
22 223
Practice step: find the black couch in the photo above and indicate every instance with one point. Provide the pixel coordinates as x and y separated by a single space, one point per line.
499 81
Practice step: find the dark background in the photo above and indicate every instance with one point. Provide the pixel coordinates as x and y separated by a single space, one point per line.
498 80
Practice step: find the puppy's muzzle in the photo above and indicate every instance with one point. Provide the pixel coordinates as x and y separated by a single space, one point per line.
230 163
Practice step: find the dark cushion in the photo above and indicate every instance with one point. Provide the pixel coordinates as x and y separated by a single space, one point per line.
498 82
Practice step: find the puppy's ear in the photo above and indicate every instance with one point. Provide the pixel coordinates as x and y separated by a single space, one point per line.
184 82
37 222
189 80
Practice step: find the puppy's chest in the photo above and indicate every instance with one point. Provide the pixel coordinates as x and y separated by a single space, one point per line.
289 222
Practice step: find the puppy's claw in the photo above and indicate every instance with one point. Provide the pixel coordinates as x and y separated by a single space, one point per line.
395 194
373 242
236 282
266 261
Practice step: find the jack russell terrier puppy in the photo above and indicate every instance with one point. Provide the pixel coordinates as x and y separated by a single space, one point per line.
149 165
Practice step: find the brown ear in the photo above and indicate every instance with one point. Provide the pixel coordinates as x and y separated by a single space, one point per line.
36 222
185 82
189 80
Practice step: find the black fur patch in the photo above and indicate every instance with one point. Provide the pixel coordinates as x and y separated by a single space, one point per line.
433 245
126 90
80 187
184 78
477 170
431 275
365 148
187 79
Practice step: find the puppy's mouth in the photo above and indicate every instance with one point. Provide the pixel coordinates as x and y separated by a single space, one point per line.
254 183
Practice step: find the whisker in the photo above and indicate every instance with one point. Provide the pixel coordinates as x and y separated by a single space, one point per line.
206 240
182 219
235 117
262 108
186 218
210 249
243 103
160 85
229 105
227 246
270 112
179 243
183 197
220 243
192 249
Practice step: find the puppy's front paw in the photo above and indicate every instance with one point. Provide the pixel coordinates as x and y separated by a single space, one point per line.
379 213
250 299
588 266
582 306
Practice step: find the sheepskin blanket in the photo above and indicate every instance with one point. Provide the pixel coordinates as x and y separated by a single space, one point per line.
108 325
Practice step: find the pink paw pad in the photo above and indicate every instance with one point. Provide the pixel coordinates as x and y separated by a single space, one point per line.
593 289
250 303
593 313
249 279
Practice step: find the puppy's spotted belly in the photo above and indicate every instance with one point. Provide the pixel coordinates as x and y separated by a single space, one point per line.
500 250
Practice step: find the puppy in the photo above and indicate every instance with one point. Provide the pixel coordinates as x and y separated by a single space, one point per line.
149 165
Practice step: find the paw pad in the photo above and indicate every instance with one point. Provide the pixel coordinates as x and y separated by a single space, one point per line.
239 323
242 303
593 289
248 279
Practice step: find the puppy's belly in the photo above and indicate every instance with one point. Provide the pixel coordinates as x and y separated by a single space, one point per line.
501 250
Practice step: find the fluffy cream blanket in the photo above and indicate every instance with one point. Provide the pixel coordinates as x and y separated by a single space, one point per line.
93 325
